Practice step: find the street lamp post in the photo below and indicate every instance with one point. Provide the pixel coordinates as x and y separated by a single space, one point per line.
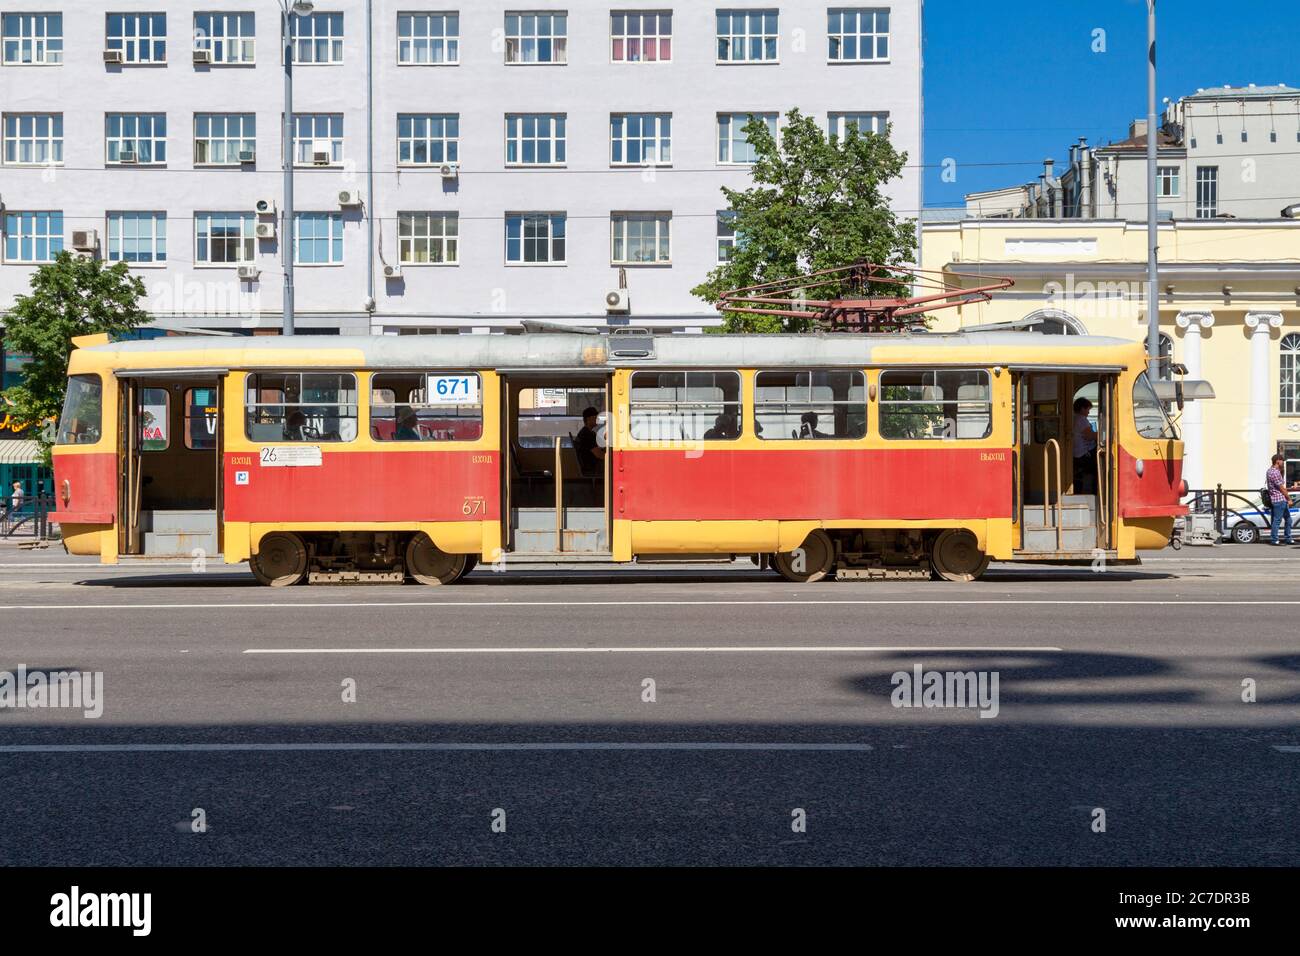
1153 226
287 11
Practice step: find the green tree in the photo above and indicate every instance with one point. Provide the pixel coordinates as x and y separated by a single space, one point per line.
70 296
817 202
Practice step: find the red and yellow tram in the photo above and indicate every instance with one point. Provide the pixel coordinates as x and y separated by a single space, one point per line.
387 458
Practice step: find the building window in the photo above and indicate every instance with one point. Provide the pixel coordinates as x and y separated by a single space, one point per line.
535 139
726 235
432 406
223 237
1207 192
428 139
137 237
301 406
428 238
33 236
34 139
535 238
317 38
1167 182
317 139
733 146
810 405
221 139
140 37
857 34
136 138
685 406
641 139
641 37
318 238
229 37
1289 375
862 122
536 37
33 39
428 38
935 404
747 36
641 238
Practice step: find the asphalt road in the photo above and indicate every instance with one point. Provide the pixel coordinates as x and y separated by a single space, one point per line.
523 697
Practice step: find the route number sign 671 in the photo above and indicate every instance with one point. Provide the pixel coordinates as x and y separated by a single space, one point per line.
452 390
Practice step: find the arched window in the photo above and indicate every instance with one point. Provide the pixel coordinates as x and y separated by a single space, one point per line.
1289 375
1056 322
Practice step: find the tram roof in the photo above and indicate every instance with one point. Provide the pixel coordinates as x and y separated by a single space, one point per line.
549 350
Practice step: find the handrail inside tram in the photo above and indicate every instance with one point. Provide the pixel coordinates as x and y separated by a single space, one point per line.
1052 442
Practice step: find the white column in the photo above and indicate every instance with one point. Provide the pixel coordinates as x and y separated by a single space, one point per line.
1259 420
1193 437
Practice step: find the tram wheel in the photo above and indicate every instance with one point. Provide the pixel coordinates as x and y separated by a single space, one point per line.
426 563
809 562
956 556
281 560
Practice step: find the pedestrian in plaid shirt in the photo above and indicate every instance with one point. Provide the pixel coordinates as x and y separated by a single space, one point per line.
1277 498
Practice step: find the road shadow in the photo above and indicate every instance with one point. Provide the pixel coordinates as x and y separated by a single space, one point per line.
989 793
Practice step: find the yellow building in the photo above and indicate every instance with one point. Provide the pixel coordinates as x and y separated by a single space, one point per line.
1229 311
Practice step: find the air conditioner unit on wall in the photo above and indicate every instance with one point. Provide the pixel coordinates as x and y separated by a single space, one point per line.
202 56
264 207
85 240
265 230
392 272
322 154
248 156
113 56
618 301
126 156
450 170
249 272
349 197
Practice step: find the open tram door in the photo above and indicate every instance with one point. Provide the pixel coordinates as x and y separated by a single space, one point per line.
1064 493
555 492
169 486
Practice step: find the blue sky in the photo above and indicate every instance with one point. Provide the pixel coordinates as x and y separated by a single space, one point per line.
1013 82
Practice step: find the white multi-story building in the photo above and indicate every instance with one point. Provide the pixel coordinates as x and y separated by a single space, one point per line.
457 169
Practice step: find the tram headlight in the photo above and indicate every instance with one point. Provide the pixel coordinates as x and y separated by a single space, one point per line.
1139 467
67 492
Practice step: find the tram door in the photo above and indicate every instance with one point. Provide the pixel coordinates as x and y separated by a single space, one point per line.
1065 502
556 486
169 433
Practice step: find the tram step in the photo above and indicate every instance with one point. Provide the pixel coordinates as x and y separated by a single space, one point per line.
179 522
543 542
1073 515
184 544
1072 539
543 519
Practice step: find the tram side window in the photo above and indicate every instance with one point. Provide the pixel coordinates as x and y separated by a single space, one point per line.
155 419
810 405
935 404
426 407
201 418
82 411
685 406
301 406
